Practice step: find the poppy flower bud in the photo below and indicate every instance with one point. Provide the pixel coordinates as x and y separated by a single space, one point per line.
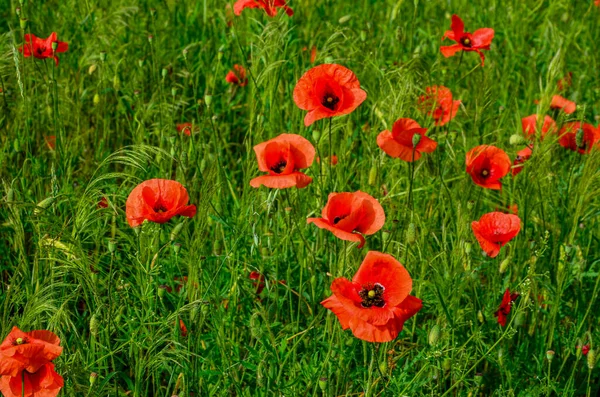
470 204
550 355
516 139
94 325
176 230
504 265
411 233
468 247
112 246
18 11
164 72
591 359
316 134
173 91
208 100
416 139
344 19
161 291
93 377
446 364
42 205
96 99
501 357
383 366
140 62
434 335
372 175
480 317
23 23
92 69
323 384
478 379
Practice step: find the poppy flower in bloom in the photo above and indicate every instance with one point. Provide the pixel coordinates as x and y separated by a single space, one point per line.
438 103
27 351
186 128
270 6
237 76
103 203
327 91
530 128
157 200
258 280
522 156
494 230
578 136
559 102
350 215
44 382
585 349
504 310
376 303
487 165
42 48
479 40
399 142
282 157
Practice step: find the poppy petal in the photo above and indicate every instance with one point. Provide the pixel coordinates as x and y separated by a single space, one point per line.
483 37
450 50
297 179
341 234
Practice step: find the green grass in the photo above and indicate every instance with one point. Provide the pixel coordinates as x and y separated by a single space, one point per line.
115 126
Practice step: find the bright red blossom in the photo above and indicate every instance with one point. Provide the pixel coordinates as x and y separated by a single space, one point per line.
350 215
585 349
27 351
270 6
186 128
44 382
522 156
558 102
504 310
479 40
376 303
237 76
579 137
494 230
282 157
487 165
438 103
530 125
399 142
327 91
157 200
42 48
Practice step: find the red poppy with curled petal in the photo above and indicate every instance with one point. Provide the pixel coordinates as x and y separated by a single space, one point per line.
494 230
327 91
438 103
558 102
580 137
282 157
44 382
504 310
376 303
27 351
522 156
270 6
42 48
479 40
237 76
157 200
399 142
350 215
487 164
530 128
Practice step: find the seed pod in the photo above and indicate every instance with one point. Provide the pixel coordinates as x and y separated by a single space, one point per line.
323 384
383 366
176 248
344 19
550 355
93 377
416 139
23 23
208 100
164 72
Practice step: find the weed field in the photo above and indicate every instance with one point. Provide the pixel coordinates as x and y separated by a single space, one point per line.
299 198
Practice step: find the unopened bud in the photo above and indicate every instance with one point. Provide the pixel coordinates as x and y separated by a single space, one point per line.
176 230
478 379
185 52
96 99
208 100
372 176
383 366
468 247
92 69
434 335
173 91
140 62
164 72
18 11
54 45
10 195
161 291
220 54
504 265
470 204
480 317
316 134
176 248
150 38
516 139
447 364
344 19
501 357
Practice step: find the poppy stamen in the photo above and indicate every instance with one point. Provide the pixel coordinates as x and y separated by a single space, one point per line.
279 167
485 173
329 101
20 341
159 207
337 219
372 295
466 41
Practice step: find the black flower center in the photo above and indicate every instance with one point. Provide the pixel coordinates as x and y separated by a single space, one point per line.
337 219
466 41
330 100
372 295
160 207
20 341
41 50
279 167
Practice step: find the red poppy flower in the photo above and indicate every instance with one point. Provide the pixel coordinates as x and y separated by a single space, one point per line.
566 81
438 103
376 303
282 157
157 200
334 160
597 3
258 280
182 328
350 215
327 91
103 203
578 136
51 142
237 76
487 165
522 156
399 142
558 102
479 40
42 48
44 382
270 6
27 351
504 310
585 349
186 128
530 129
494 230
